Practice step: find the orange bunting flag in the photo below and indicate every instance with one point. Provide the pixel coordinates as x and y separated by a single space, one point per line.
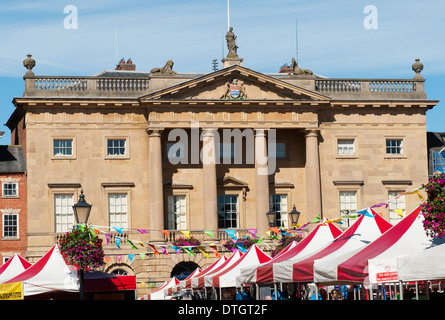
154 249
215 251
275 229
166 232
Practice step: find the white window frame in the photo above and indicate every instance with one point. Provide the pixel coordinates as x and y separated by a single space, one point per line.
237 211
63 211
71 156
394 147
10 182
348 205
281 207
346 146
177 212
10 213
122 214
126 147
396 201
63 147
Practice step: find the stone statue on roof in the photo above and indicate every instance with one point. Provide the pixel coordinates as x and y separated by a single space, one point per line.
297 71
231 44
166 69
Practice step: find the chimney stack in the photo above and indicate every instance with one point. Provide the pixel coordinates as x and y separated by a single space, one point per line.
129 66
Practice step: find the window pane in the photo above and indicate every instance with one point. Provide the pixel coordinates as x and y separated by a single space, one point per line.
228 211
116 147
63 209
10 225
118 211
279 204
348 205
345 147
176 212
63 147
394 146
396 207
10 189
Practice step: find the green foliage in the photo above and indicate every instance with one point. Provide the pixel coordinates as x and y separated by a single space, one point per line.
82 248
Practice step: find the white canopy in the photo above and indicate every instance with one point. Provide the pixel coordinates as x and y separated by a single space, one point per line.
317 239
159 292
13 267
227 277
50 273
367 228
425 265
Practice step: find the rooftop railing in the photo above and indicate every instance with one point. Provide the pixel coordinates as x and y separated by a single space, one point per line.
59 86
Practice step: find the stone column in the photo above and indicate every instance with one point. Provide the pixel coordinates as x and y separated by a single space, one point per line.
156 187
209 192
261 181
313 180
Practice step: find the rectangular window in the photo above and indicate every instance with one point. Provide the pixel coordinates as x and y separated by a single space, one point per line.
396 207
10 225
63 147
279 204
118 210
176 215
345 147
280 150
394 146
116 147
10 189
228 211
63 209
348 206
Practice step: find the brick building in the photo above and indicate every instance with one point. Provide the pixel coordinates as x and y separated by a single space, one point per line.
13 222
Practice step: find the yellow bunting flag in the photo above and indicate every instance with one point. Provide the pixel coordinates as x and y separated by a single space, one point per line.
201 248
186 233
399 212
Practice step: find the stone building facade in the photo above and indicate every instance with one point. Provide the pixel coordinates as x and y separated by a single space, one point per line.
144 146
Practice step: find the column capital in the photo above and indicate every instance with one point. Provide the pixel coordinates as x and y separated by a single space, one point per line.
312 132
154 132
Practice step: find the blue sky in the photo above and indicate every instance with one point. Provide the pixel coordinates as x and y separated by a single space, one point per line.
332 39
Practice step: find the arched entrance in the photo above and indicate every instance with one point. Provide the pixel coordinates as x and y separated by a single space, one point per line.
183 269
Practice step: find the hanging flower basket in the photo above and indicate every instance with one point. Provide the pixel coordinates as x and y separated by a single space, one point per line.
81 248
186 242
433 209
284 242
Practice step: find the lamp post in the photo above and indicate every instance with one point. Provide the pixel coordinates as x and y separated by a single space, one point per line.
82 211
294 216
271 217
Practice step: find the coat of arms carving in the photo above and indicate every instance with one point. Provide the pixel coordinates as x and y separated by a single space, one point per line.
234 90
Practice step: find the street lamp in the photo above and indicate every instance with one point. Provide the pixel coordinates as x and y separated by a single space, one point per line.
82 210
294 216
271 217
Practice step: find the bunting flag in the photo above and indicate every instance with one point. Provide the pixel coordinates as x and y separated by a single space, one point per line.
215 251
164 251
131 244
143 231
365 213
118 242
120 230
201 248
178 250
142 255
119 258
154 249
186 233
131 257
231 233
209 233
316 220
275 229
166 232
253 232
108 236
189 251
399 212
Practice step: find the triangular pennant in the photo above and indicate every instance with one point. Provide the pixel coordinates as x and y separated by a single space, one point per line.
119 257
131 244
253 232
107 236
154 249
142 255
142 230
231 233
120 230
186 233
118 242
131 257
201 248
164 251
166 233
209 233
215 251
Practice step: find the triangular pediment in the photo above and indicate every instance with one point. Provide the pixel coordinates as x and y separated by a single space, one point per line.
231 182
246 85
